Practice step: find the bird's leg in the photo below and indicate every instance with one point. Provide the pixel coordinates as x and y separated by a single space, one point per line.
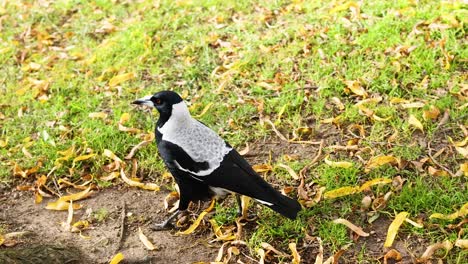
239 205
166 224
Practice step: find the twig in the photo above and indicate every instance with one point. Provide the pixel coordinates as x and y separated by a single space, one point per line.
275 130
429 152
122 227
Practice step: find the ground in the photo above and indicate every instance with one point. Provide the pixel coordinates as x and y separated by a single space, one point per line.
43 227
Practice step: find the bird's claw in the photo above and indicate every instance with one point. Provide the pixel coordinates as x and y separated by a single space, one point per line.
161 226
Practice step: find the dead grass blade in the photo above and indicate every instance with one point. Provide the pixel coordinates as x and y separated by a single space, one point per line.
351 226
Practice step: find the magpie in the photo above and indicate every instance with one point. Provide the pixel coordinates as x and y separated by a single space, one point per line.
203 164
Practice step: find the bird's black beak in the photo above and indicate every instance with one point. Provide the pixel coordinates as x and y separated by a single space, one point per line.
144 101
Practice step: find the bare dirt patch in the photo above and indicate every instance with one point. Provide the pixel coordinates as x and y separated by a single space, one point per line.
19 213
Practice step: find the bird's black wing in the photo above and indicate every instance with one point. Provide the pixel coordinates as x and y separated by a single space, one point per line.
235 174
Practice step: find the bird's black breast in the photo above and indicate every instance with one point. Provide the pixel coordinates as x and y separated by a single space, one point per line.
172 153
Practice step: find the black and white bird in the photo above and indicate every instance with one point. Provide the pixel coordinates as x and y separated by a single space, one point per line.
203 164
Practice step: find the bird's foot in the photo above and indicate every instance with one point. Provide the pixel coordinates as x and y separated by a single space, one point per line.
162 226
167 223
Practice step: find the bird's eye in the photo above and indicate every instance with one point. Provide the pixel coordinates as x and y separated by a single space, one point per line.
158 101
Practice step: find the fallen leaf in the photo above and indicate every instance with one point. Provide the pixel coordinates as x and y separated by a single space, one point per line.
351 226
413 105
295 254
117 258
124 118
392 254
379 161
146 186
100 115
343 191
290 171
205 109
259 168
145 240
197 222
462 243
111 155
463 151
460 213
356 88
269 247
83 157
431 114
393 228
412 120
76 196
436 172
368 184
118 79
60 205
447 245
338 164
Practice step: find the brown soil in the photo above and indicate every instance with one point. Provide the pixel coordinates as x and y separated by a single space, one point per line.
19 213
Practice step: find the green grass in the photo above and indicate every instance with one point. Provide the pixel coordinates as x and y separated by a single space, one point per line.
279 60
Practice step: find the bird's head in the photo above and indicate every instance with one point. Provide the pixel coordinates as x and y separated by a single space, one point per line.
168 103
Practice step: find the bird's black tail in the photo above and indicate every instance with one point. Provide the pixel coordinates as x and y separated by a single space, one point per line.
285 206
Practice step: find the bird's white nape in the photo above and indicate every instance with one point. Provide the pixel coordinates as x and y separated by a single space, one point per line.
179 117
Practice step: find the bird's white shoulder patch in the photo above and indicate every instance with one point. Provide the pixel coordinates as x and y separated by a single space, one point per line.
200 142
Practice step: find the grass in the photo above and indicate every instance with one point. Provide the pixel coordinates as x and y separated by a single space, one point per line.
285 61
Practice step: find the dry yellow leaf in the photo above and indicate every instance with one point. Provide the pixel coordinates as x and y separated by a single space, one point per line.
392 254
245 203
205 109
271 248
462 243
379 161
338 164
344 6
60 205
447 245
435 172
412 120
432 113
262 168
295 254
290 171
197 222
116 80
393 228
124 118
351 226
413 105
356 88
458 143
83 157
117 258
146 186
220 236
343 191
396 100
3 143
373 182
76 196
460 213
144 239
111 155
463 151
100 115
464 169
